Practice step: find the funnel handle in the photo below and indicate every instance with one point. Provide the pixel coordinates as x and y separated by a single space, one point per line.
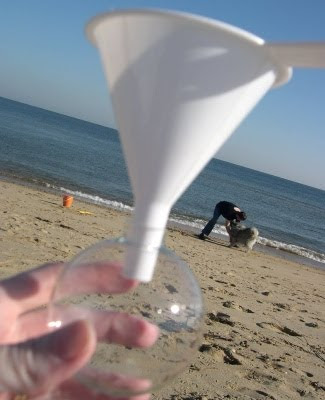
302 55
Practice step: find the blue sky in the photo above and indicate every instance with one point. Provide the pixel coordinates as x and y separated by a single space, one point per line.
46 61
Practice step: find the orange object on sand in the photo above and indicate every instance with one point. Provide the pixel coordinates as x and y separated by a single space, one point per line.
67 200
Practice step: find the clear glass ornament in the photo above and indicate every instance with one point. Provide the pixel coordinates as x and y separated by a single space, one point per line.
171 301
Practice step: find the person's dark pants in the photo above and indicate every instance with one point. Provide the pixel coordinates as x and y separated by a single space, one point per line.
210 225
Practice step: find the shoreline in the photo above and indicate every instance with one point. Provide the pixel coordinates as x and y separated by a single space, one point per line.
264 321
265 248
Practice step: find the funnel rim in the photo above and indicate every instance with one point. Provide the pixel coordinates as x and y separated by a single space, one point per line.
213 23
283 72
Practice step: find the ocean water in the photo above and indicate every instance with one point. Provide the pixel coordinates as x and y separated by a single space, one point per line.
61 153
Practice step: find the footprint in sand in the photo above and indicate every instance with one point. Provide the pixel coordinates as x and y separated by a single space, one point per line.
256 394
282 306
221 354
44 220
66 227
312 324
171 288
221 318
261 377
278 328
235 306
213 336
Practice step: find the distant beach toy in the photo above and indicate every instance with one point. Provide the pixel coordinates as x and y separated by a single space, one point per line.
84 212
67 201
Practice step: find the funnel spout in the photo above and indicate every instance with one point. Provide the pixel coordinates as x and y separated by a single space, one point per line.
145 237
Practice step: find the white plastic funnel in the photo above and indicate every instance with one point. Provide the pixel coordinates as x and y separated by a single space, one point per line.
303 55
180 85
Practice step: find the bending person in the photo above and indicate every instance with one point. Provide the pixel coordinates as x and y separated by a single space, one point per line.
229 211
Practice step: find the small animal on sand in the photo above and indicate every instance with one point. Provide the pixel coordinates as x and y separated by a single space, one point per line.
242 236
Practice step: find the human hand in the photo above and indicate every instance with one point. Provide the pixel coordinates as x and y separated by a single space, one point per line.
37 363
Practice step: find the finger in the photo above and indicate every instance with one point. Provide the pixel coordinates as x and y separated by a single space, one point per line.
29 289
34 288
38 365
120 328
110 326
99 277
124 329
30 325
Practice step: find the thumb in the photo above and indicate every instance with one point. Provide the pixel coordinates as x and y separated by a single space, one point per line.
38 365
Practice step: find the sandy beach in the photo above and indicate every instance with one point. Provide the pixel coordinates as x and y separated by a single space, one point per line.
264 325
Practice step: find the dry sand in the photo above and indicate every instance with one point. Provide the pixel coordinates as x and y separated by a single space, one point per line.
264 328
